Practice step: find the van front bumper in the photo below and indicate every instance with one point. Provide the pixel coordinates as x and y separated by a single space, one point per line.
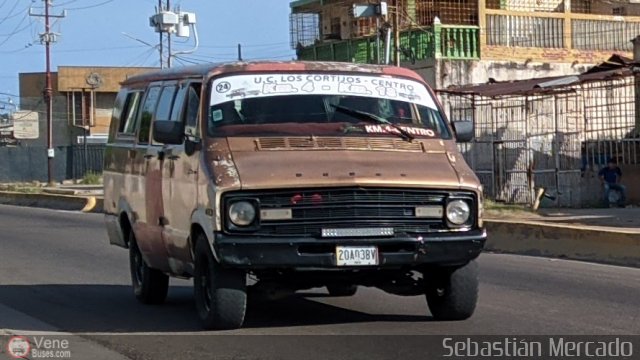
249 252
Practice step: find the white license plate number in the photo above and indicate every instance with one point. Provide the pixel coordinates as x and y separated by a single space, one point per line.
356 255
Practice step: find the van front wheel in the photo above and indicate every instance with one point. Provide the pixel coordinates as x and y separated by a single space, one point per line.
220 294
452 294
150 286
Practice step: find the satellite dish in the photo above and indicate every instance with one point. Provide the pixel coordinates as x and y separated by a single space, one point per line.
94 80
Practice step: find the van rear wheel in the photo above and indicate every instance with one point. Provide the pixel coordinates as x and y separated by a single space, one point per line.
150 286
452 294
220 294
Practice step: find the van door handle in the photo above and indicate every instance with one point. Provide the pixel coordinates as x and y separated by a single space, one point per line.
174 157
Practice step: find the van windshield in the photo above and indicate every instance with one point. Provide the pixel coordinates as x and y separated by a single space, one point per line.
320 104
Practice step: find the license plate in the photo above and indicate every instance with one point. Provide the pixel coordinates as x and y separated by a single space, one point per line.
356 255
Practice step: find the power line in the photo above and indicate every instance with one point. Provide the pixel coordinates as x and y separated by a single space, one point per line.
249 46
15 31
11 14
187 59
91 6
64 3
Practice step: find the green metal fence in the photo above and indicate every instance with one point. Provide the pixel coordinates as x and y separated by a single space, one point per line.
438 41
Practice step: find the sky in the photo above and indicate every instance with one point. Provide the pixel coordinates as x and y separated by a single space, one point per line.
93 34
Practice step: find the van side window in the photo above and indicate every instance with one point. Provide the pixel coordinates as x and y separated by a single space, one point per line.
164 104
192 110
178 103
147 114
129 111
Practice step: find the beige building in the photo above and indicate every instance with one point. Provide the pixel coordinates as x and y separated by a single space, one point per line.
82 99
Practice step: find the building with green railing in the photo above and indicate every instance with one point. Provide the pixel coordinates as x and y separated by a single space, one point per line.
454 42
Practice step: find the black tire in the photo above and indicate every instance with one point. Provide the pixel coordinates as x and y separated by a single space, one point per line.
150 286
342 290
452 294
220 294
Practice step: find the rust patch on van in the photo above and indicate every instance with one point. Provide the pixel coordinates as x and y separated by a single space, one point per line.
219 160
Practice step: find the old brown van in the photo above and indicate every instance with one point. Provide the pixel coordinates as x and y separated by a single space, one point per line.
301 175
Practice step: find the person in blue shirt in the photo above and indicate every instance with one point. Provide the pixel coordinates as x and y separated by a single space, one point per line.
610 178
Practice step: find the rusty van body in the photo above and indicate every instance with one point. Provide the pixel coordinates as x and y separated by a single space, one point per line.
300 174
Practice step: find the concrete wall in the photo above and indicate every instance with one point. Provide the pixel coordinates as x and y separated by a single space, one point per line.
336 11
606 8
63 134
22 164
426 69
461 72
442 73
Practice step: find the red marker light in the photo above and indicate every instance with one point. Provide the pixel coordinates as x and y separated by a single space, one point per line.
316 199
295 199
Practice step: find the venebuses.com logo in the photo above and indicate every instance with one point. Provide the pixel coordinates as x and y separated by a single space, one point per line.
18 347
38 347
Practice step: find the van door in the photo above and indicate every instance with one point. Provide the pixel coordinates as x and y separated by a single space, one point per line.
180 176
148 164
118 164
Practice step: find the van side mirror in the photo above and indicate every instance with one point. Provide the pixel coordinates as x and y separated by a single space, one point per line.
464 130
168 132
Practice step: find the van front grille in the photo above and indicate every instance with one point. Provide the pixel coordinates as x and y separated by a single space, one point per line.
315 209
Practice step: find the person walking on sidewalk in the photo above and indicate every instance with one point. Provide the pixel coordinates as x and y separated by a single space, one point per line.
610 177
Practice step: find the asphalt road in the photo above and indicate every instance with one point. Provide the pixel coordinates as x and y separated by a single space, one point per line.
58 273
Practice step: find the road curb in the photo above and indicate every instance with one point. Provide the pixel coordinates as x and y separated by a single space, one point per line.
596 244
51 201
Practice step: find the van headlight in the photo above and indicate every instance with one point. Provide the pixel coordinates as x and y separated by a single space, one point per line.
458 212
242 213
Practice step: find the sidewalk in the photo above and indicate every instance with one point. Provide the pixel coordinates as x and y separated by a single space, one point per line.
602 235
620 219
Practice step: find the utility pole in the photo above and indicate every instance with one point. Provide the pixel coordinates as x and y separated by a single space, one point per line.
164 22
168 40
161 40
47 38
396 33
167 22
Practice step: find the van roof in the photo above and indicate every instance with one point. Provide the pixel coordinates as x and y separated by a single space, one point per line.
213 69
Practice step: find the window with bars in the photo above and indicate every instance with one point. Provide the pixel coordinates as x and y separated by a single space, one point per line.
367 26
364 27
80 108
458 12
305 29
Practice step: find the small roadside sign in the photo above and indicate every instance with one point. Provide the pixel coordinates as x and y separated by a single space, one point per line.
25 125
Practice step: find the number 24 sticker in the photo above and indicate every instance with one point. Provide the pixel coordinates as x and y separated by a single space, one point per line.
223 87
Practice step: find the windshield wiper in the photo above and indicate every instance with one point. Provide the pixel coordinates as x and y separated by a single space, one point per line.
363 115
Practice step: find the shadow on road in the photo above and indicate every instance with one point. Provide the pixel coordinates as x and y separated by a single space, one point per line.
113 309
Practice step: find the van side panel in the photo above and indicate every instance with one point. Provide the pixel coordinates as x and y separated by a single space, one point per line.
115 167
